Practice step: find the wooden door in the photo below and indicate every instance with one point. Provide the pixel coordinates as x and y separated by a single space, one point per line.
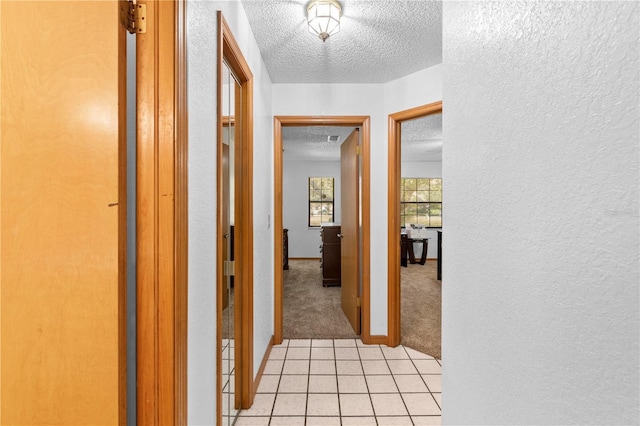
349 248
63 212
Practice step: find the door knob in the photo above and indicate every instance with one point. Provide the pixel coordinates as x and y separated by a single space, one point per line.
340 235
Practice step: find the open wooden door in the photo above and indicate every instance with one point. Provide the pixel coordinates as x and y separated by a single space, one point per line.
350 224
63 212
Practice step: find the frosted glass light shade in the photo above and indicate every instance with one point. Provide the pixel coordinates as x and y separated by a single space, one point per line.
323 18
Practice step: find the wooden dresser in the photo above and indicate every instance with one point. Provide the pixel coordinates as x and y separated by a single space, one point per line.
330 254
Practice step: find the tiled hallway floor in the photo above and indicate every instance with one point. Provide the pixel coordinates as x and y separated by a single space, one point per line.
345 382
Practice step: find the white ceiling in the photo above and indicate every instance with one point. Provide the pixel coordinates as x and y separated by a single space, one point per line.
421 141
379 40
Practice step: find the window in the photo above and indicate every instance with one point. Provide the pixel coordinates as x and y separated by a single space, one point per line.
320 200
421 201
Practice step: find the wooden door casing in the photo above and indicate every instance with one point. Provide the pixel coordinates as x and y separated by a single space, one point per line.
349 247
63 214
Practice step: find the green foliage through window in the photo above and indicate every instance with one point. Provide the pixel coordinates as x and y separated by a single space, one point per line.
421 201
320 200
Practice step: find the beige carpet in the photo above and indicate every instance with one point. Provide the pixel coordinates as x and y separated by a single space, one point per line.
421 307
313 311
310 310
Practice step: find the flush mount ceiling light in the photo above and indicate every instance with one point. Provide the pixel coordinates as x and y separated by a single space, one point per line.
323 18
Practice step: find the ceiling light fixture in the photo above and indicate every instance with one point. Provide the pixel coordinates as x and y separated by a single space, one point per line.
323 18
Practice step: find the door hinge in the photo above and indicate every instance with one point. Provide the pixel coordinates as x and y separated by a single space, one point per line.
358 302
134 16
357 149
230 268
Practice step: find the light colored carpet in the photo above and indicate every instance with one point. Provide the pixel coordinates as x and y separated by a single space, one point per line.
421 308
313 311
310 310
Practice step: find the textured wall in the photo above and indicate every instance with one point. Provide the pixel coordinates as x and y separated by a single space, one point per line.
201 61
541 147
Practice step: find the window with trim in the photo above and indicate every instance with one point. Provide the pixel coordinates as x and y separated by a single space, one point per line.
421 202
320 200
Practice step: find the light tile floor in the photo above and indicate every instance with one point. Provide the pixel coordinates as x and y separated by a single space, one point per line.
345 382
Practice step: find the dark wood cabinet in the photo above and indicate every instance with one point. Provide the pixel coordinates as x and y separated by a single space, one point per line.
285 249
330 254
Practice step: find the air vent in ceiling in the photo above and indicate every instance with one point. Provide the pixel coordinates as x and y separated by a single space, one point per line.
333 138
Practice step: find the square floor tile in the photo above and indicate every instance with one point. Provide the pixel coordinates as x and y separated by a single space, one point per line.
344 343
322 404
438 398
388 404
284 344
375 367
433 381
293 384
361 343
410 383
262 405
402 366
420 404
296 366
426 420
268 383
300 343
252 421
428 366
273 366
352 384
323 384
286 421
394 353
359 421
347 353
298 353
322 353
291 404
322 343
323 421
370 352
356 404
319 366
278 353
413 354
394 421
348 367
381 384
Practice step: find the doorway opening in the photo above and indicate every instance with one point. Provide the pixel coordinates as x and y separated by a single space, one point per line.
396 246
234 228
361 122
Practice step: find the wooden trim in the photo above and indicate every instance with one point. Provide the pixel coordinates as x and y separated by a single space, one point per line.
229 51
263 364
181 215
122 231
393 306
161 216
378 340
356 121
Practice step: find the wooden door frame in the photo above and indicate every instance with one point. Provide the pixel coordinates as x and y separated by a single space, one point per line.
161 224
351 121
229 50
394 312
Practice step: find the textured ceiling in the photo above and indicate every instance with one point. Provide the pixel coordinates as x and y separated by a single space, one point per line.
421 141
379 40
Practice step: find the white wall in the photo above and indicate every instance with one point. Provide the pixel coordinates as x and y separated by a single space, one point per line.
305 241
424 169
541 153
376 101
201 66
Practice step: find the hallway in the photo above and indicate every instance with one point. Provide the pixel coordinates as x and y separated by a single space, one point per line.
345 382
